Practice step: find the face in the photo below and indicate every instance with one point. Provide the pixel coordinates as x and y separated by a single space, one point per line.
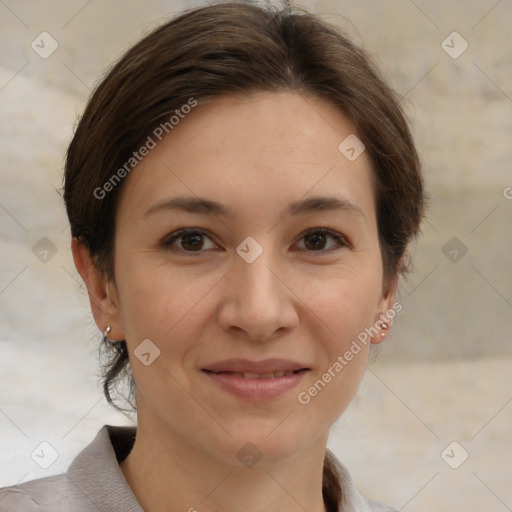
264 281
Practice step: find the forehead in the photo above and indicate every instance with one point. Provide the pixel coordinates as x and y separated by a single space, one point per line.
254 150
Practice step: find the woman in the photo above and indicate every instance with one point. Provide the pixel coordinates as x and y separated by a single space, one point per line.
241 189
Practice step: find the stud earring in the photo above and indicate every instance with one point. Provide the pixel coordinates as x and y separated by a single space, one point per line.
383 325
106 339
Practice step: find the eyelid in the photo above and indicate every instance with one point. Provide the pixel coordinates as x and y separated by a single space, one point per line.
341 239
170 238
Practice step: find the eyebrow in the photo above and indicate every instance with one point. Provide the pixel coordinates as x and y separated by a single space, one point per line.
201 205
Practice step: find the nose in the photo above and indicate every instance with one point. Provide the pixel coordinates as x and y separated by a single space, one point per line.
258 301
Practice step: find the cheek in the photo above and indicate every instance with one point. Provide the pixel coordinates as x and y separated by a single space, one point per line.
157 301
347 345
346 304
346 307
342 353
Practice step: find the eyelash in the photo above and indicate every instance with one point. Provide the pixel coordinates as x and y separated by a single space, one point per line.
176 235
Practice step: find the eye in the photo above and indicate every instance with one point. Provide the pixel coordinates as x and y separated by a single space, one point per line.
316 239
190 240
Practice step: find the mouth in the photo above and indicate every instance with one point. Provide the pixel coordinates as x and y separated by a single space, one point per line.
272 367
256 380
252 375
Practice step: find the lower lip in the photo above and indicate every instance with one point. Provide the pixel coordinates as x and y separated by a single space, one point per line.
256 389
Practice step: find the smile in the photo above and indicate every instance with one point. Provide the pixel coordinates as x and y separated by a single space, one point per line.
248 375
252 386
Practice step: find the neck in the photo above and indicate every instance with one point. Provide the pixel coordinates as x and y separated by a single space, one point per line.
168 474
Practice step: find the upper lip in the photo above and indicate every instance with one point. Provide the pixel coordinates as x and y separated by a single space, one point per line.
248 366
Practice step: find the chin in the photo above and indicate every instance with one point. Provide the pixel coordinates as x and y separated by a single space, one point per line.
267 441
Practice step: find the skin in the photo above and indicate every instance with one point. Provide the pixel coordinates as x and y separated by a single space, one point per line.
254 153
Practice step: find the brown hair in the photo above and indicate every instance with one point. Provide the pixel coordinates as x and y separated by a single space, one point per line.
236 48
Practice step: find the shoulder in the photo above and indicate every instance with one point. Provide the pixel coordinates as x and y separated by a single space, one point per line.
48 493
93 481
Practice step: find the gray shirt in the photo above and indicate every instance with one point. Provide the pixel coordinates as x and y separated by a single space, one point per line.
94 482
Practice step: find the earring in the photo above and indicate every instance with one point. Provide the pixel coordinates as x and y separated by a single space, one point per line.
106 339
383 325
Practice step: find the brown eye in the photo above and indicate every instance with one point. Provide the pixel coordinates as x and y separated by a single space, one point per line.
192 242
317 239
189 240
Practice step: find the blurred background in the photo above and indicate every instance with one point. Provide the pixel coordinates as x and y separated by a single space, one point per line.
430 426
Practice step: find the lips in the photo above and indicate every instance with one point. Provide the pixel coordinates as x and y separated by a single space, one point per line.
256 380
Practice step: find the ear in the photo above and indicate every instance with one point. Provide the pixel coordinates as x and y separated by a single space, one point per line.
386 310
102 293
